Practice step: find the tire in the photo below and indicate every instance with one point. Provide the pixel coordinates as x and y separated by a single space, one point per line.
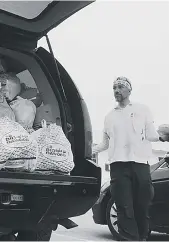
111 216
41 235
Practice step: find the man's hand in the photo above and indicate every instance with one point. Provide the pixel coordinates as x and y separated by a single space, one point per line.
164 138
163 131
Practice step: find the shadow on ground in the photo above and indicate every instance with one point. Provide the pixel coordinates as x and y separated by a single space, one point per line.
105 236
159 237
153 237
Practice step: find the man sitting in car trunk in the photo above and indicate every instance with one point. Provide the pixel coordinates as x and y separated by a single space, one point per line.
128 133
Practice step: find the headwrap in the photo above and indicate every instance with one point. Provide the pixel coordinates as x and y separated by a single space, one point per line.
123 81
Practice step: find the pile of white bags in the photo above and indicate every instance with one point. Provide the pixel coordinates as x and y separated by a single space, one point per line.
54 149
25 149
44 149
17 149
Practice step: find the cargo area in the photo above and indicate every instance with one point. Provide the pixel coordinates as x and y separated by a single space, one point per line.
56 103
32 199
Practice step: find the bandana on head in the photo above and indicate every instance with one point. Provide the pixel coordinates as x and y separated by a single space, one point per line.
123 81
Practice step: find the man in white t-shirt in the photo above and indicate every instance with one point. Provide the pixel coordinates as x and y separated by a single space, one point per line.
128 133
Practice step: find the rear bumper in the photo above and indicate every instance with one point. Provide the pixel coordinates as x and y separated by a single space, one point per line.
46 200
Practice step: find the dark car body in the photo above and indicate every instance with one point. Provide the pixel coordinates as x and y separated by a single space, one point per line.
159 210
31 201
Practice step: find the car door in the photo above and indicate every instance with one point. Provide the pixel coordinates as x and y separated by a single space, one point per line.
160 207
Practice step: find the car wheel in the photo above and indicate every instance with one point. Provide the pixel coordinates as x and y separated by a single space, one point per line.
111 216
41 235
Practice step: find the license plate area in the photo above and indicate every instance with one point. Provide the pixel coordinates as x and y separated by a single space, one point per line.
17 198
11 199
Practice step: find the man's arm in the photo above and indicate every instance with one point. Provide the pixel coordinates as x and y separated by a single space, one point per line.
152 134
150 130
103 145
105 141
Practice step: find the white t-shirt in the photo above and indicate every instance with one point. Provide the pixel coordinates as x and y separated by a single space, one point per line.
128 133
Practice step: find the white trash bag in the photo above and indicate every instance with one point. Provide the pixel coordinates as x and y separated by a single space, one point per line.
24 110
54 149
18 150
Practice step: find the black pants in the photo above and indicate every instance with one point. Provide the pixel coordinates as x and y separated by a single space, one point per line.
132 190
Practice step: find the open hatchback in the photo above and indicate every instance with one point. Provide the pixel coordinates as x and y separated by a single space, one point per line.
33 204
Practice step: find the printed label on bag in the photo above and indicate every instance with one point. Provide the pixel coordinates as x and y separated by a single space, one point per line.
16 139
56 152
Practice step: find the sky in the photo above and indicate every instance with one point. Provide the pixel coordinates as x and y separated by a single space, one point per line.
117 38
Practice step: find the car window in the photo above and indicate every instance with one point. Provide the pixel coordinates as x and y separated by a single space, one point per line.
26 78
164 165
30 91
29 88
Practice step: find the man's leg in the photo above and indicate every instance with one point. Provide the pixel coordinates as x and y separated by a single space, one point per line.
143 197
122 194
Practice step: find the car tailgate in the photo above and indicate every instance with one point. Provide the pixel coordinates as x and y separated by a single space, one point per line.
39 178
46 198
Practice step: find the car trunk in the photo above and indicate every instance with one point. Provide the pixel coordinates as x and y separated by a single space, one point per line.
48 195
